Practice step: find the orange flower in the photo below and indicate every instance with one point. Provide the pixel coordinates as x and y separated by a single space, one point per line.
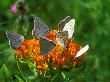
52 35
59 56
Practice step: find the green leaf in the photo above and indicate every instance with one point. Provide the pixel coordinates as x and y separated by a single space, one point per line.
54 78
31 64
19 79
7 72
63 75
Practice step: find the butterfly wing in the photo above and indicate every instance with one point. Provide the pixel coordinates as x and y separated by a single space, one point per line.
62 38
46 45
15 39
70 28
82 51
63 22
40 28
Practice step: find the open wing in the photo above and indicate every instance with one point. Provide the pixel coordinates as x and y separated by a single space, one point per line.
70 28
63 22
40 28
46 45
82 51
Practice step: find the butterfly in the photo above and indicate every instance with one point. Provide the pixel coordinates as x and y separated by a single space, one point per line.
40 28
62 38
15 39
39 32
66 29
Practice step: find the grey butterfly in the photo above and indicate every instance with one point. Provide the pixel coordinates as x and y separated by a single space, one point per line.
15 39
63 22
40 28
46 45
39 31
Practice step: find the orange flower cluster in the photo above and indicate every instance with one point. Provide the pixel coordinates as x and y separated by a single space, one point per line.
58 57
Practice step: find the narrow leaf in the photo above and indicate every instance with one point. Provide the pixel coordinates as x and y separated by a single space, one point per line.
19 79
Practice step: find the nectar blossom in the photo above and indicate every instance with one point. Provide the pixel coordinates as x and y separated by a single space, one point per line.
13 8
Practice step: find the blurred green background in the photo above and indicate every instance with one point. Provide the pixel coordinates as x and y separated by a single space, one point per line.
92 27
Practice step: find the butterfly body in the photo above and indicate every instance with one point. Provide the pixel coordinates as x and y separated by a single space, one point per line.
62 38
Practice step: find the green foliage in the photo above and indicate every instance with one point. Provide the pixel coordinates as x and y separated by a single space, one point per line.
92 27
7 73
19 79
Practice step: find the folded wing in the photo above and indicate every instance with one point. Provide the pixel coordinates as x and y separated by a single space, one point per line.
15 39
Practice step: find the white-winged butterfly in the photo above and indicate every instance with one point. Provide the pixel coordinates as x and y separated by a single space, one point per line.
66 30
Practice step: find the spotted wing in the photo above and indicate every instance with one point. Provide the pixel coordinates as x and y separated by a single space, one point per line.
15 39
40 28
46 45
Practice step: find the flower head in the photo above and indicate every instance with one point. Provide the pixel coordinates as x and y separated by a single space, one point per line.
59 56
18 6
13 8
